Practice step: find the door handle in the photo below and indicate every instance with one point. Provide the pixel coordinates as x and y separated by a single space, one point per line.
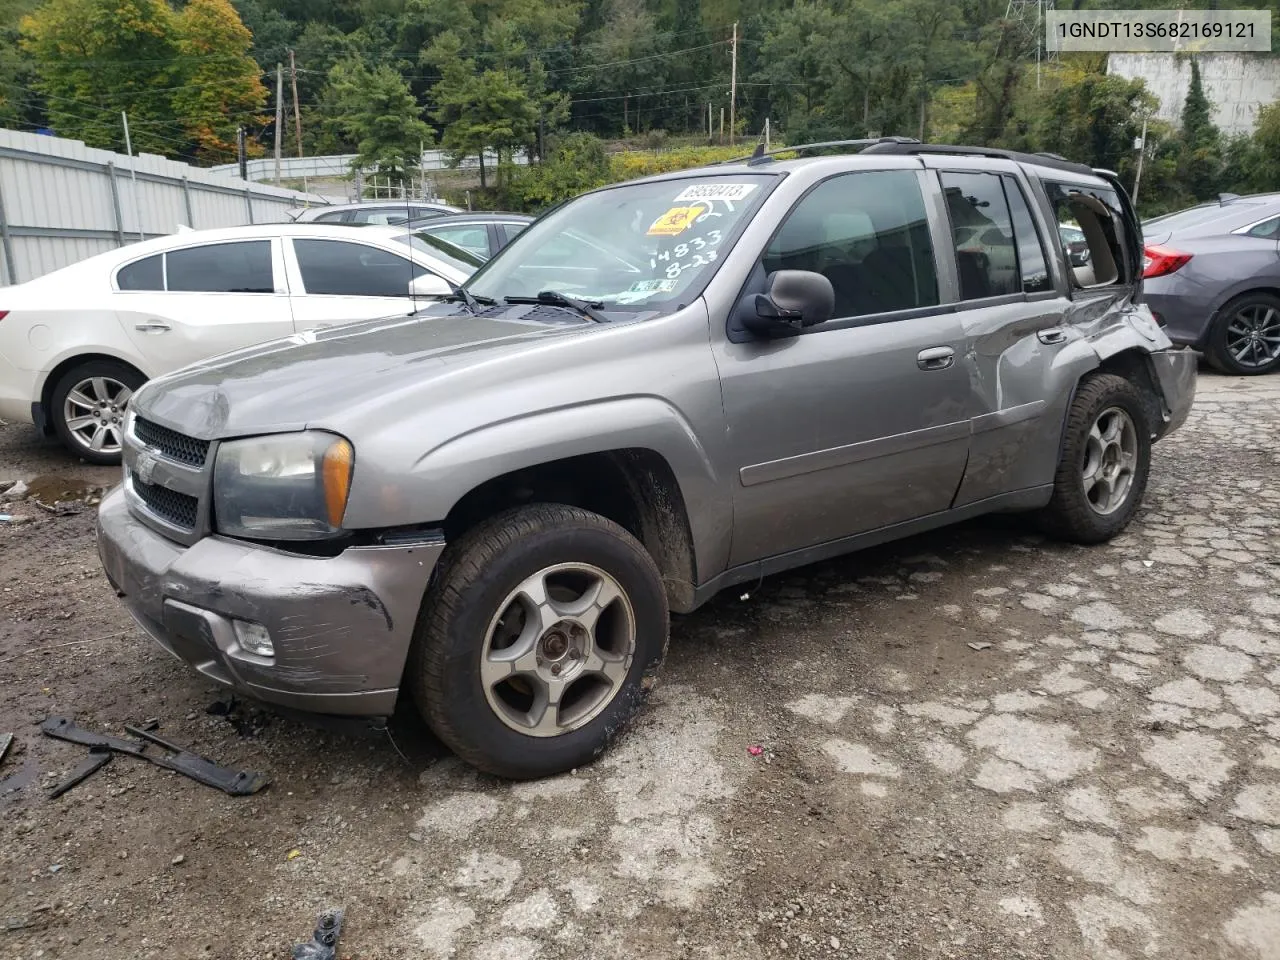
1052 335
152 326
935 358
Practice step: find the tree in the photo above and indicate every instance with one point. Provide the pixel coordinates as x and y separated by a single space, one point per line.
1092 118
374 110
492 109
222 87
1200 157
95 58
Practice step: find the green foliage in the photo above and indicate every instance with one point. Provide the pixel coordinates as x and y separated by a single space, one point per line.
95 58
575 163
375 110
222 87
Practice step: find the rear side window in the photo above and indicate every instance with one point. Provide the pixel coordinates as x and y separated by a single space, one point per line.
512 229
1267 230
1032 268
243 267
334 216
338 268
1095 213
868 234
145 274
472 238
982 234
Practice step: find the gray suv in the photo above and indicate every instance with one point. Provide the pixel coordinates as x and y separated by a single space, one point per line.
659 389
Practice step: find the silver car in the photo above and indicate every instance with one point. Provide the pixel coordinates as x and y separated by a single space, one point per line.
657 390
1213 279
387 213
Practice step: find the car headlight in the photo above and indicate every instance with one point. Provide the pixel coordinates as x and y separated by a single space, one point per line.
286 486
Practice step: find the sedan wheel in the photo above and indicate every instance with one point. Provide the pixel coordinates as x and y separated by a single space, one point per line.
94 414
88 408
1246 337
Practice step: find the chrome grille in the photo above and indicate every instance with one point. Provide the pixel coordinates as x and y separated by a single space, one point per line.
171 506
174 445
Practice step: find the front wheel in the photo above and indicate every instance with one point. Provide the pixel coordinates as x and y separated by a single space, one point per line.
88 405
538 640
1105 460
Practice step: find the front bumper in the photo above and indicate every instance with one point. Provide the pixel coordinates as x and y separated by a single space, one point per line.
1176 376
341 626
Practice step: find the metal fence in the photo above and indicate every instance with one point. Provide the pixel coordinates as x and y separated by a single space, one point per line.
339 165
61 201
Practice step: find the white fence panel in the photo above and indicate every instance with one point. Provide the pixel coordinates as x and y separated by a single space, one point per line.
61 201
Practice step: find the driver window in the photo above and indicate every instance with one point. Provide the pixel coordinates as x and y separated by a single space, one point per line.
868 234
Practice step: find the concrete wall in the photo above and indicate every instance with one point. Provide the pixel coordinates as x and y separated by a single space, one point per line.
61 201
1237 84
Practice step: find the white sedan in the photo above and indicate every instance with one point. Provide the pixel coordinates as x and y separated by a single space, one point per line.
76 343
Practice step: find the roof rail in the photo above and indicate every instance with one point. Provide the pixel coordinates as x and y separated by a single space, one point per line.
916 148
764 156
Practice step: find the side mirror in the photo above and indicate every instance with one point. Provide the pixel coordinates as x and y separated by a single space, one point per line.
430 285
796 299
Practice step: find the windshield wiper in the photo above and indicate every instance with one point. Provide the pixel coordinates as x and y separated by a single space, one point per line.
463 295
588 308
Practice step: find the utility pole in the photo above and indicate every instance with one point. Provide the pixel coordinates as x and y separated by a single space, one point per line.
133 173
711 127
241 153
279 115
733 82
1142 152
766 133
722 124
297 114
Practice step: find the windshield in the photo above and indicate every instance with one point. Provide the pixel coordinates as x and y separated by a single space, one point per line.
646 245
438 249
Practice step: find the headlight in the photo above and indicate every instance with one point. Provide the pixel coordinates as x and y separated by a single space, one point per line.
288 486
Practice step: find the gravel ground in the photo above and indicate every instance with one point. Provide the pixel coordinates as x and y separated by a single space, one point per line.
1101 778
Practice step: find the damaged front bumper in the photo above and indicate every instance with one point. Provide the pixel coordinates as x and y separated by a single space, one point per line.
340 626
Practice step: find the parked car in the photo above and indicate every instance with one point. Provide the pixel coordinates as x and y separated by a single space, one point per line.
482 234
1076 245
723 373
1212 276
76 343
385 213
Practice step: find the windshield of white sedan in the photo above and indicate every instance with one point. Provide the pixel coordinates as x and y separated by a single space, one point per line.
636 246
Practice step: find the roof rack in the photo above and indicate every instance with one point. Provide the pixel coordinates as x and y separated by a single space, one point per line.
762 155
916 148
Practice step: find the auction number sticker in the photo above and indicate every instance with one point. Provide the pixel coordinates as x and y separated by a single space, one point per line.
715 191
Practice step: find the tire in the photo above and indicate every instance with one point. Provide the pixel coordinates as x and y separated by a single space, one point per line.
1082 511
1232 331
87 408
475 624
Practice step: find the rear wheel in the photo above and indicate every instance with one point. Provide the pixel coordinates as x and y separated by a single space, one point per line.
539 639
1105 460
88 405
1245 339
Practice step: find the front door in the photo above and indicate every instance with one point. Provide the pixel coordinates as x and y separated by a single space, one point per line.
861 422
337 281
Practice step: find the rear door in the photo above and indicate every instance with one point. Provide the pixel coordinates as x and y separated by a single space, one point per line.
1012 306
336 281
202 300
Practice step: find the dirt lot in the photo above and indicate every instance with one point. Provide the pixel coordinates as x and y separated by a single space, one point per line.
1103 780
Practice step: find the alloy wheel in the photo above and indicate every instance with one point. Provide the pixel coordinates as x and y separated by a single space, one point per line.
558 650
1253 335
94 413
1110 458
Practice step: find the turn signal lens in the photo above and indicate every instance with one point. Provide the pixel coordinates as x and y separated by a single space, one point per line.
1158 261
336 474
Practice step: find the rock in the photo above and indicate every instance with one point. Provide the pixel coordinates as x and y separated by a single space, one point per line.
177 860
17 490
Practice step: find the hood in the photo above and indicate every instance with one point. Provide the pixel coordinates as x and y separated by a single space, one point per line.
322 375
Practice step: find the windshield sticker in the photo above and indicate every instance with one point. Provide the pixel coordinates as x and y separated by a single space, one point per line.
715 191
674 222
652 286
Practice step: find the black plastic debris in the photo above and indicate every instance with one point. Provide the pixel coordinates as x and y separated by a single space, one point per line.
323 944
98 758
237 783
6 741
